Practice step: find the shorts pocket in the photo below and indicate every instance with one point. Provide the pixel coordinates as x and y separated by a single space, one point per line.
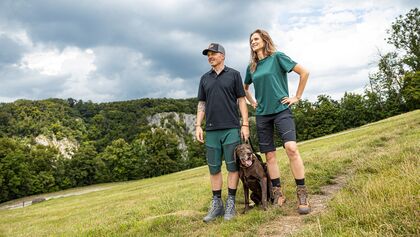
213 157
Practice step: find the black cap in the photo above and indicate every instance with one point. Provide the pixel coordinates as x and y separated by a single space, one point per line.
214 47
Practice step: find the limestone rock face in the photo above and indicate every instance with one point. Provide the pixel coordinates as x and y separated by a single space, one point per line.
179 123
188 119
66 147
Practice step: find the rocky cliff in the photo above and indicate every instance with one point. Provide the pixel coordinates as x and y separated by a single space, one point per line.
66 147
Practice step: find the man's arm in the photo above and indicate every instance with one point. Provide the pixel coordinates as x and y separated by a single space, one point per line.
201 112
244 113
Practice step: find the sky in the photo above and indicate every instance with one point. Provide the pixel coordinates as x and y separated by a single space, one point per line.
106 50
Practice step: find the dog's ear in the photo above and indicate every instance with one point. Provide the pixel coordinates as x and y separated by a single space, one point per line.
238 163
250 147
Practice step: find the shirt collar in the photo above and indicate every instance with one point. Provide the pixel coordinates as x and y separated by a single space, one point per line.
225 69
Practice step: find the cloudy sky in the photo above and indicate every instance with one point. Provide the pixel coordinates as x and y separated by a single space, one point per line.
128 49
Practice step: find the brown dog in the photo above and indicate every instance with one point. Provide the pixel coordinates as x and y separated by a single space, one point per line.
253 174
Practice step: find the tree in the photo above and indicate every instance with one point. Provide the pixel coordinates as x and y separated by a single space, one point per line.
119 160
162 153
326 117
304 113
43 165
374 108
352 110
85 166
16 178
387 83
391 83
405 36
196 153
411 90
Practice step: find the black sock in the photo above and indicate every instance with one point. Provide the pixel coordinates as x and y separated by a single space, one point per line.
232 192
275 182
300 181
217 193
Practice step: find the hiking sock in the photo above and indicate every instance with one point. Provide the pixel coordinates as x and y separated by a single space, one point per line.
300 181
232 192
275 182
217 193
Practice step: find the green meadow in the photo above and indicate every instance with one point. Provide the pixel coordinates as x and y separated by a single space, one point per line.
380 198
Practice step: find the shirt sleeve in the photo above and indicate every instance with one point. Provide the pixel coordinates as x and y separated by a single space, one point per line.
239 88
285 62
201 92
248 77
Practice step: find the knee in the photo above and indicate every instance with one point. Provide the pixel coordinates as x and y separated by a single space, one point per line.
292 150
271 157
233 174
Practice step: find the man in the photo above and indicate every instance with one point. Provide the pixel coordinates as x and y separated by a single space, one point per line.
219 94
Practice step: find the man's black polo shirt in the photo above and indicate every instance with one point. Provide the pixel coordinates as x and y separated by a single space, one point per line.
220 92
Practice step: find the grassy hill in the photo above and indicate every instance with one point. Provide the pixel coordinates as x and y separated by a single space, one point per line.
381 197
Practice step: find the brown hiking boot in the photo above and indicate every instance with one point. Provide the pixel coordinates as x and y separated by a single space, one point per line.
278 197
302 196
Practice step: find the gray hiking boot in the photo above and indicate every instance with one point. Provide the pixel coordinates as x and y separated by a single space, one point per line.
303 203
215 210
230 208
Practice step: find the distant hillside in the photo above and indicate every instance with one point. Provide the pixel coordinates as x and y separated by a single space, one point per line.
85 121
68 143
52 144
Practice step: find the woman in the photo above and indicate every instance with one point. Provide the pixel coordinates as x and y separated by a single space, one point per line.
268 70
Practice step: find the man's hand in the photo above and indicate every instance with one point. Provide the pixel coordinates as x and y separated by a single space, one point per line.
254 105
245 133
199 134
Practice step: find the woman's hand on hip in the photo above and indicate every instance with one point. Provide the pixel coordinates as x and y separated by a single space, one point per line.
289 100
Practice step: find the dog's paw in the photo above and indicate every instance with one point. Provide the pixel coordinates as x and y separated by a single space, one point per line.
246 209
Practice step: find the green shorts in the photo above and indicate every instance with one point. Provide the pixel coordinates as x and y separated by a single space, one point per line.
222 143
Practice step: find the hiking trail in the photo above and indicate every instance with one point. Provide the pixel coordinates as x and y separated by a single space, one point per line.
292 222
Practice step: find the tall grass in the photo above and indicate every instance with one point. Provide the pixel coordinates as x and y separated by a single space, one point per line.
381 198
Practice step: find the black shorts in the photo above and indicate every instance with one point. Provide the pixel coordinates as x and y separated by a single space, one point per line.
285 125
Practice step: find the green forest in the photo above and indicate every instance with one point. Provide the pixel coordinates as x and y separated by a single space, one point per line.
116 142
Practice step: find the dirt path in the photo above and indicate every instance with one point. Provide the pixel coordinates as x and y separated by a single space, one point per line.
287 225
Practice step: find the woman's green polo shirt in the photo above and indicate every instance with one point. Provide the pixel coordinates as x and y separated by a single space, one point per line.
270 82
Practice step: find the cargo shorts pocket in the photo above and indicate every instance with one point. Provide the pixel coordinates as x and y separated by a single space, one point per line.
214 159
228 151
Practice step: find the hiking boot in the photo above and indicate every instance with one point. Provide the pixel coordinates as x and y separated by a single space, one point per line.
230 208
215 210
278 197
302 196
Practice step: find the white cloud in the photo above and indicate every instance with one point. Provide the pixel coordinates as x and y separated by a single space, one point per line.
73 67
337 47
53 62
133 75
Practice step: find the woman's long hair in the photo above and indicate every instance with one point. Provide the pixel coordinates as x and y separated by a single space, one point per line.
269 48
